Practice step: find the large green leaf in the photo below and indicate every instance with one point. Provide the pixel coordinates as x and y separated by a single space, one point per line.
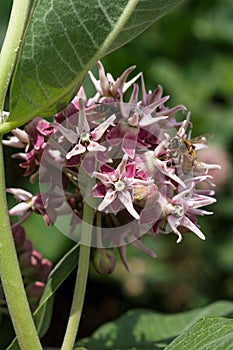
143 329
212 333
42 315
63 40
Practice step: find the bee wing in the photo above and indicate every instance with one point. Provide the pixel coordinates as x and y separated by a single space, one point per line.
203 139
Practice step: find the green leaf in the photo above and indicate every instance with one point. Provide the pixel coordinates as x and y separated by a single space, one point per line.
59 274
43 316
212 333
144 329
64 39
43 313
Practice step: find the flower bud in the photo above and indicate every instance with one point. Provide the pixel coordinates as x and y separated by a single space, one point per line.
104 261
44 271
30 263
34 292
143 194
18 233
26 247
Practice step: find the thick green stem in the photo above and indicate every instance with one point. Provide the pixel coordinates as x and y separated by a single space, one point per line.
11 277
11 45
9 268
81 280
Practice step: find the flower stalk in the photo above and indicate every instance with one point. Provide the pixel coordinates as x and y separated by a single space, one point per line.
11 277
9 268
81 280
11 45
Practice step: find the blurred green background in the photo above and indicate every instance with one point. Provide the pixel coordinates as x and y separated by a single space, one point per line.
189 52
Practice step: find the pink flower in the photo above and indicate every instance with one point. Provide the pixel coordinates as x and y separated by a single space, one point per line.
156 95
34 140
38 130
25 199
135 117
106 86
30 163
116 186
153 162
182 207
85 138
19 140
40 203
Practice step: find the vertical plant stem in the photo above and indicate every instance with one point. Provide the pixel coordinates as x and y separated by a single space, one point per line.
11 277
11 45
81 279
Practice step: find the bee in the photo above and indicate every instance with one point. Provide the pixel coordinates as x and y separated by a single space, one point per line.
184 151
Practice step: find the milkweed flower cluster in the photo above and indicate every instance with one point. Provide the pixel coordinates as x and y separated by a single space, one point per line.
128 157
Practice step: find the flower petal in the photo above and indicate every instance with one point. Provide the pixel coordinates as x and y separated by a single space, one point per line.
20 193
78 149
20 209
190 225
108 199
69 134
138 243
100 130
82 120
126 199
95 146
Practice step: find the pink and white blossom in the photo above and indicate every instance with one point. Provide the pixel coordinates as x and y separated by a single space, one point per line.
85 139
117 152
118 185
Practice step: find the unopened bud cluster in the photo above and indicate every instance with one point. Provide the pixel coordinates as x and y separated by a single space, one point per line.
34 268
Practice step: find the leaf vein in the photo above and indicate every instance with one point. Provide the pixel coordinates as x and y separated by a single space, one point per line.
85 28
71 44
105 13
63 60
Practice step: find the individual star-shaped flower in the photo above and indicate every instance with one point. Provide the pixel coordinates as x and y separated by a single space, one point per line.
106 86
151 98
41 203
85 139
153 162
134 117
180 210
116 186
